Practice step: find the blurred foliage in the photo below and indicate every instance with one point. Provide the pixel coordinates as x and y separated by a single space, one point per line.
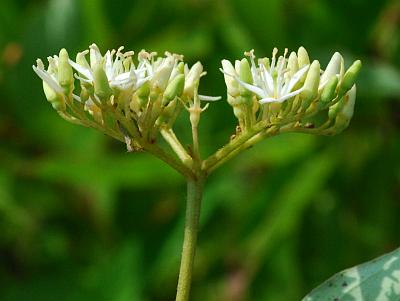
81 219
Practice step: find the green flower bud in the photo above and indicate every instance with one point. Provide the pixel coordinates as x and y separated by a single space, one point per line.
174 89
333 67
231 100
65 73
275 108
232 85
349 77
179 69
329 91
334 110
346 112
239 112
127 62
84 94
56 100
349 101
293 63
144 90
101 86
303 57
264 61
161 77
311 84
245 72
192 79
143 94
245 75
81 60
167 113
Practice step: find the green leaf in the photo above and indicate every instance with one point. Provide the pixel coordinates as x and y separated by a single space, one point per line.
378 279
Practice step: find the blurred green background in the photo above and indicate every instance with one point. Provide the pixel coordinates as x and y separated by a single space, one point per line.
81 219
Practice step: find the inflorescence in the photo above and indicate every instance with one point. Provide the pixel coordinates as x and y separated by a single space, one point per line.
136 99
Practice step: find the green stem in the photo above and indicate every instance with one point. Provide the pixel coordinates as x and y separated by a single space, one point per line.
249 143
167 158
169 136
193 205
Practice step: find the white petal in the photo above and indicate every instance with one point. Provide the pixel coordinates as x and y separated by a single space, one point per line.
281 99
260 92
141 81
269 81
122 76
294 80
268 100
48 79
109 64
116 83
227 66
82 70
209 98
83 79
290 95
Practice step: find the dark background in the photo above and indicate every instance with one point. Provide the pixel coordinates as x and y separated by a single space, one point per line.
81 219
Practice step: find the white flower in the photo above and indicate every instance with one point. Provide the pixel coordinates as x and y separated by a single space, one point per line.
120 71
49 76
192 79
272 83
162 70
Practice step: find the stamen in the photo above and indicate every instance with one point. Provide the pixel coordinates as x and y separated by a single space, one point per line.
84 52
274 52
129 54
119 51
40 64
250 54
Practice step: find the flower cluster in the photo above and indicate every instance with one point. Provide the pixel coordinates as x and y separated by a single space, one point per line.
284 90
136 99
119 97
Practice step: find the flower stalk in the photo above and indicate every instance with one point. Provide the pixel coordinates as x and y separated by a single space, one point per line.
192 217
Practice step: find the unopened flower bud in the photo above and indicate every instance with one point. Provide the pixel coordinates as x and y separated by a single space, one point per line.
231 83
303 57
161 77
179 69
245 76
101 86
329 91
349 77
192 79
143 94
65 73
311 84
333 67
84 94
293 63
264 61
346 112
56 99
167 113
127 63
174 89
